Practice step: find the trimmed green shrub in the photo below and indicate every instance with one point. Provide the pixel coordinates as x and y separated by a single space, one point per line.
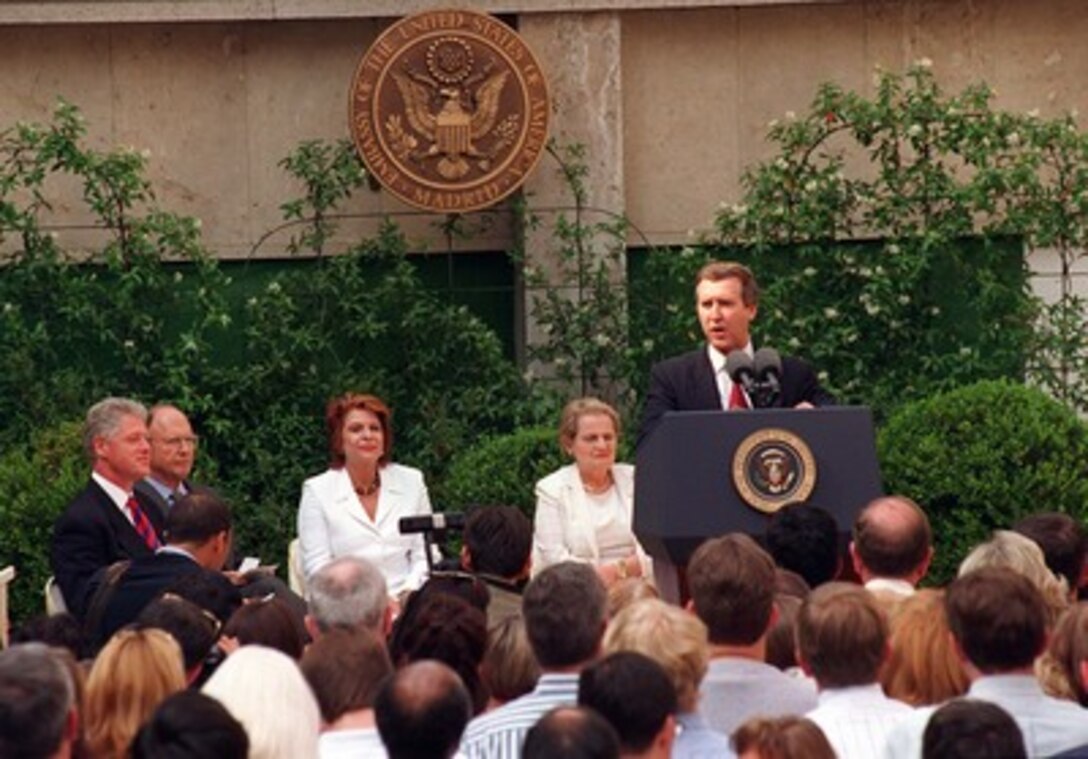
501 470
37 483
980 457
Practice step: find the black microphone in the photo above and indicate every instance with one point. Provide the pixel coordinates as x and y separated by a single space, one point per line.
768 370
431 523
739 367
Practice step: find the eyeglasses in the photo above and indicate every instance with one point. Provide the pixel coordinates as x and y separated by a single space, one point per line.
180 441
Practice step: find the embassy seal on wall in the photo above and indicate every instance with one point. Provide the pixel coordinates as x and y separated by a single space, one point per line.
449 110
773 467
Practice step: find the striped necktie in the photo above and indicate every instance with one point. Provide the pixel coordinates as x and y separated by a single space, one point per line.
142 523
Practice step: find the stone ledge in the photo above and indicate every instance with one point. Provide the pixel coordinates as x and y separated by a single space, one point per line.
14 12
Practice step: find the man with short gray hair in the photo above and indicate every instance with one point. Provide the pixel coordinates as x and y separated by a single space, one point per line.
38 718
108 521
348 593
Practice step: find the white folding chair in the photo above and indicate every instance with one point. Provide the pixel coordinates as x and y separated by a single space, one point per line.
296 578
54 599
7 574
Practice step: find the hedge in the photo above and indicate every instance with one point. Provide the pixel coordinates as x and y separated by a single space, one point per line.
980 457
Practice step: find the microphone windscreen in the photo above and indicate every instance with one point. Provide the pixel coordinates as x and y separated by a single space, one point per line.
738 363
768 361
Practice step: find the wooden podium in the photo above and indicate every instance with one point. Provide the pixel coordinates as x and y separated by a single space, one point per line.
691 484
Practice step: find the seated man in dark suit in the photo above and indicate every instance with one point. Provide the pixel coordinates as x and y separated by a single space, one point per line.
198 535
497 549
726 302
107 522
173 453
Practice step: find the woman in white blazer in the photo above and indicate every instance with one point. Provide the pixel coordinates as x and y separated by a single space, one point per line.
584 510
354 508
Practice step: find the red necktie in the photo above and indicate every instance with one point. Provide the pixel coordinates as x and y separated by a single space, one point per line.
142 523
736 397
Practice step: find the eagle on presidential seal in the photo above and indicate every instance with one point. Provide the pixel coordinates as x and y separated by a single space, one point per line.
452 109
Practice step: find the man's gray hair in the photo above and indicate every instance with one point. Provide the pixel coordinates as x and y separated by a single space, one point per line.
104 419
348 593
38 695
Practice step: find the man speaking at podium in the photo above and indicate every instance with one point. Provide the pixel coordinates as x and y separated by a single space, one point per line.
726 301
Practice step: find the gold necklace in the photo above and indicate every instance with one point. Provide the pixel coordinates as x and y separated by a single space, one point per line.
370 489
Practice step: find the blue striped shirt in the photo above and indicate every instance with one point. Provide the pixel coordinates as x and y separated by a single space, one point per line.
499 734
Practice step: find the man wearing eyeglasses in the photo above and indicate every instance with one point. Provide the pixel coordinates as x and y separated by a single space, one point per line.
173 453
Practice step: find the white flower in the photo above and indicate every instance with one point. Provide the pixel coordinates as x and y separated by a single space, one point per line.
809 271
794 343
647 345
274 288
935 310
965 351
893 249
924 63
740 209
872 309
914 130
831 313
602 339
251 302
1013 139
178 276
903 299
9 307
811 185
129 345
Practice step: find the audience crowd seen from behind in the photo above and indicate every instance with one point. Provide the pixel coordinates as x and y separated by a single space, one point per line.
544 637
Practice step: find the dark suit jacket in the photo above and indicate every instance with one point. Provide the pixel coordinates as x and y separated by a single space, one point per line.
91 534
144 579
687 383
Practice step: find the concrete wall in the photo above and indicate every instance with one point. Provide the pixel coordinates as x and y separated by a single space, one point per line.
673 98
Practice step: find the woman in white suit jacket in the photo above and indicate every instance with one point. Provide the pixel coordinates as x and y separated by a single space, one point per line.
354 508
584 510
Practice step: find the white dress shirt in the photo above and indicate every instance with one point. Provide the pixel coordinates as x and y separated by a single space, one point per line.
857 719
725 382
1049 725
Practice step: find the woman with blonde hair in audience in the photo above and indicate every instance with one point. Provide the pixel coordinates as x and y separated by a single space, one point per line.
781 738
1023 556
130 677
584 510
677 640
922 667
1063 669
629 591
265 690
509 668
